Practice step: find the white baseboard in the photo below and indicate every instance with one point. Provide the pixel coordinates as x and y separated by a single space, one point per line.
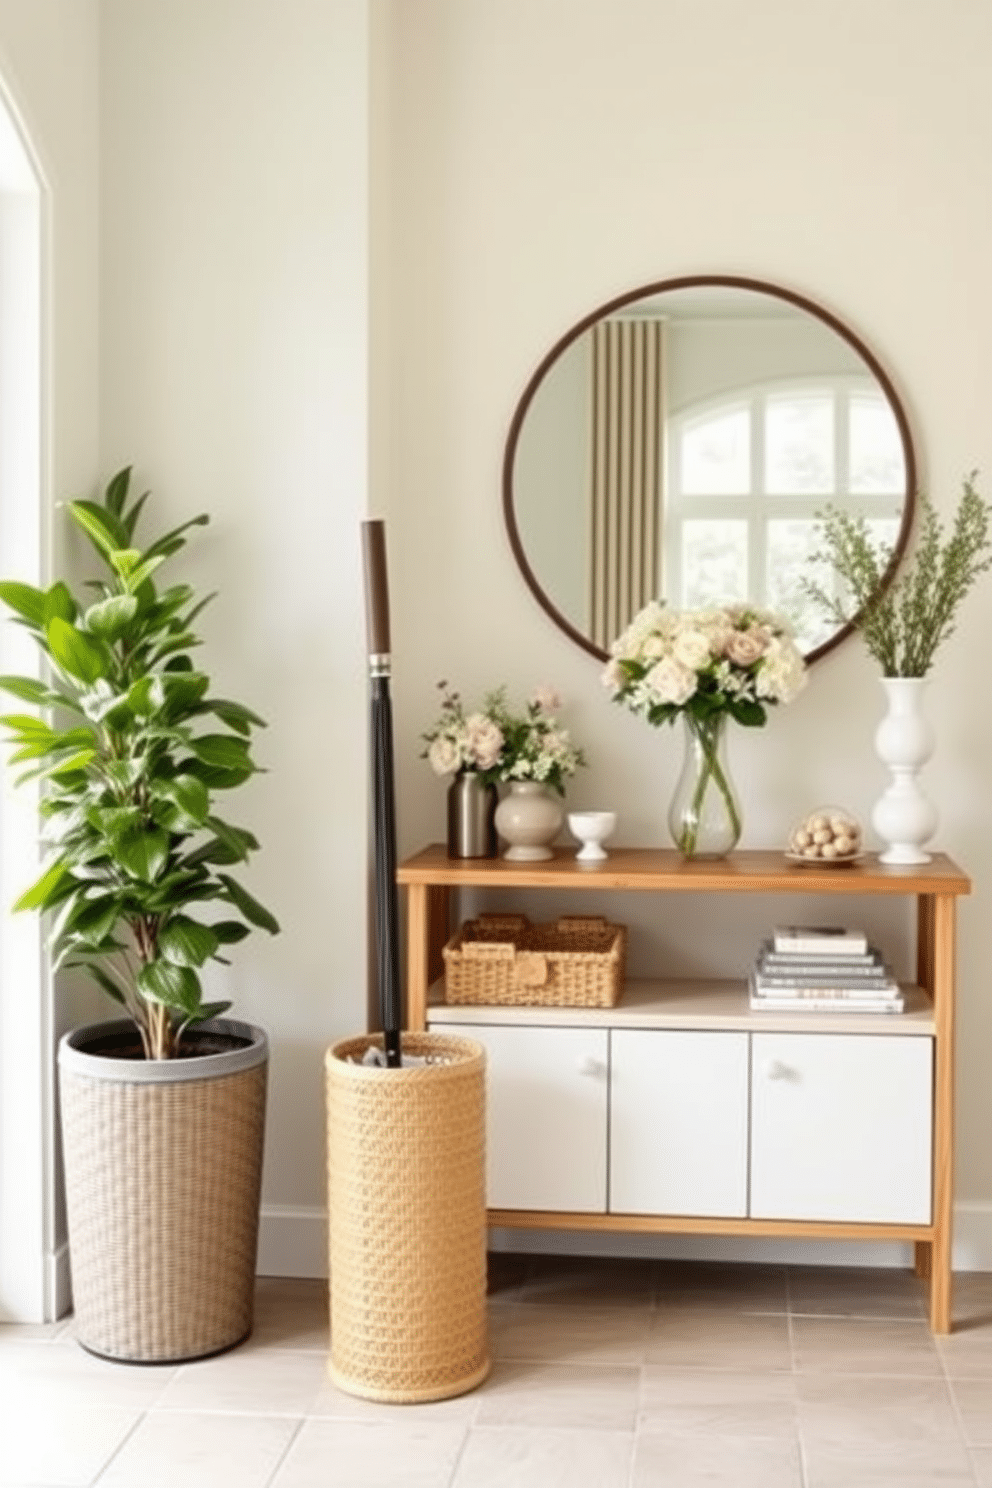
293 1242
58 1283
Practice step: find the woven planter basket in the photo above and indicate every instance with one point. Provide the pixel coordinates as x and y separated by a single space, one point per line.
407 1211
163 1162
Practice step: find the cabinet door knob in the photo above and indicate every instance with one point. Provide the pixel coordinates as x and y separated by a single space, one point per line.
595 1068
776 1070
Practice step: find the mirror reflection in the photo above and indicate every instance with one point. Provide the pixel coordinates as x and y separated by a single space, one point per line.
679 442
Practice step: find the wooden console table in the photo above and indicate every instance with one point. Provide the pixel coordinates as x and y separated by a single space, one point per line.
647 1009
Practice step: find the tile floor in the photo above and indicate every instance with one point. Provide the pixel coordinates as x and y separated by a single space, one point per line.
606 1374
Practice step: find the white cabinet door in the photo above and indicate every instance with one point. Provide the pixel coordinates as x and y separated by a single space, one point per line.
678 1122
546 1117
841 1127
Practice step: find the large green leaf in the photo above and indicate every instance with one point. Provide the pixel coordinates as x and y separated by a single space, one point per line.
168 543
59 601
187 794
111 617
255 913
31 691
44 891
115 496
101 526
236 839
25 600
175 986
229 932
182 692
143 853
185 942
74 652
237 717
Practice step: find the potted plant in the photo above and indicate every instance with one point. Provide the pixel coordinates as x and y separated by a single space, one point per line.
162 1110
903 624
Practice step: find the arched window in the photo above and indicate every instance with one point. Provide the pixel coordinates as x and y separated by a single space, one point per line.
747 474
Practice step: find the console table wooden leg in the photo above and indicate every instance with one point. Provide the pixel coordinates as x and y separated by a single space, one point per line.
923 1259
942 951
417 952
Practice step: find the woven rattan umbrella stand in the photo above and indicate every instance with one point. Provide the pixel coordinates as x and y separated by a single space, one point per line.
407 1212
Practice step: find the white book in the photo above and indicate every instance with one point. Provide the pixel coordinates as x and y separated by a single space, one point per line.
769 981
827 1005
827 992
819 940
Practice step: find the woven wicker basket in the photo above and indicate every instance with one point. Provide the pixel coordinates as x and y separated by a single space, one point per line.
407 1210
163 1163
578 961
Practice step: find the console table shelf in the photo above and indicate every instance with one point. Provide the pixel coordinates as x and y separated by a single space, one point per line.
717 1014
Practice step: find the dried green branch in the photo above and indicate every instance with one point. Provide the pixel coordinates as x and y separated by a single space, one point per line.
904 623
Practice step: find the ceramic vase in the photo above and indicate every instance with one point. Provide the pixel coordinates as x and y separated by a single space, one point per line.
471 817
529 819
904 817
704 817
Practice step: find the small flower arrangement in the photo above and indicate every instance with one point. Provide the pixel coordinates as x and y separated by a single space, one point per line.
460 741
735 660
499 744
535 746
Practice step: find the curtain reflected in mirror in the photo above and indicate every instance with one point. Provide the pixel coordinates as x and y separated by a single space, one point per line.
680 443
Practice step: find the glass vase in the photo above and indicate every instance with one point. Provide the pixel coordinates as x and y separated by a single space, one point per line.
705 817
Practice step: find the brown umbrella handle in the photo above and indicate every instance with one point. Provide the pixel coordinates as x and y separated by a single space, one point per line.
376 594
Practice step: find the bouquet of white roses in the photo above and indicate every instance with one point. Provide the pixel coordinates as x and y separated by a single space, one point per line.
535 746
461 741
733 660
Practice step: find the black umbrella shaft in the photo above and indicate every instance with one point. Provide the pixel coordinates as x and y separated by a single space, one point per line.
386 902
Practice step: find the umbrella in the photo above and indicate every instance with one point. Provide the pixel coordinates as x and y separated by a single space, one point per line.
383 804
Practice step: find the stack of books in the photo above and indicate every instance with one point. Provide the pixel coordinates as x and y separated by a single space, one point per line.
822 968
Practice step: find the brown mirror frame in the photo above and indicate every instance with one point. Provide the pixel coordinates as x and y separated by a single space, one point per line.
697 281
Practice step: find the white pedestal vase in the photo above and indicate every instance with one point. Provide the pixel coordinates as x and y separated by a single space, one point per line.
904 817
528 820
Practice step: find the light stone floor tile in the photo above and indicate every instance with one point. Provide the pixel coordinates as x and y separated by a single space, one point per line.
981 1458
714 1339
888 1465
967 1352
36 1373
684 1462
838 1345
973 1398
338 1404
740 1288
555 1395
371 1454
829 1291
291 1314
268 1382
522 1457
870 1409
573 1335
57 1443
590 1281
718 1402
179 1450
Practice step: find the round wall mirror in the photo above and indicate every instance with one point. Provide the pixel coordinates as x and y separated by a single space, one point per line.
679 442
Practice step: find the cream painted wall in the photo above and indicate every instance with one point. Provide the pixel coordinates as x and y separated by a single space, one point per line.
234 139
548 154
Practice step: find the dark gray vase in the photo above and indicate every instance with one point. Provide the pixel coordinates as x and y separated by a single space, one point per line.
471 809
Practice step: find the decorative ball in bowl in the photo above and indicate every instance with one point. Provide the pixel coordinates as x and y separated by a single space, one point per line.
828 837
592 829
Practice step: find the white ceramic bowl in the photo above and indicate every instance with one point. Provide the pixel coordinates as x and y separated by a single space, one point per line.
591 828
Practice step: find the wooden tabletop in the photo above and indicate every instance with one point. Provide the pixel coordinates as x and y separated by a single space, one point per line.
757 871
